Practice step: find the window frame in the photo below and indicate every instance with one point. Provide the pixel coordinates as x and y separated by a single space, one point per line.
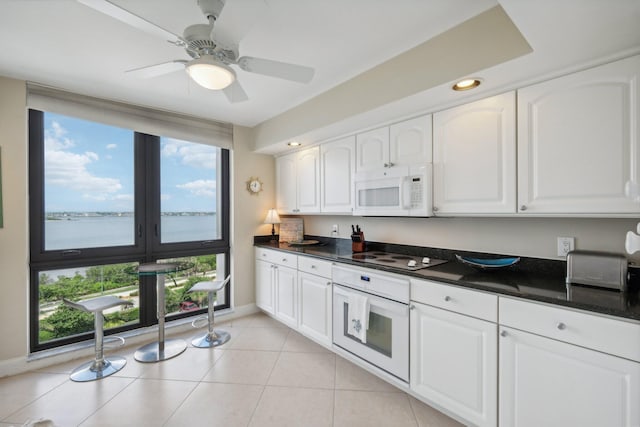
147 246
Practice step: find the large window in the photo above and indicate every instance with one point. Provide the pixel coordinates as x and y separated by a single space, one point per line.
104 199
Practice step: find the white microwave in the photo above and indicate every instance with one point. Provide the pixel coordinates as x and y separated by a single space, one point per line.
395 191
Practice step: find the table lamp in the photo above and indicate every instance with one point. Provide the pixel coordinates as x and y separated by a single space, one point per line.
272 218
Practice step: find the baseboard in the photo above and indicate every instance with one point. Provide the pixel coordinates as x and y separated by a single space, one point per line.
43 359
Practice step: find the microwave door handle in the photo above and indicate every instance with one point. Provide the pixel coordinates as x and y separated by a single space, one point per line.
406 193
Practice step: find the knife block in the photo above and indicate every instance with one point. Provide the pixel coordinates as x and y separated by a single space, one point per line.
357 246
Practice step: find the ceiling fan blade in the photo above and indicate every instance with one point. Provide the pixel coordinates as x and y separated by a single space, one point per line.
131 19
282 70
236 20
157 69
235 93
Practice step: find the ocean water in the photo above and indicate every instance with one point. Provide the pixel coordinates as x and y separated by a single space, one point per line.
102 231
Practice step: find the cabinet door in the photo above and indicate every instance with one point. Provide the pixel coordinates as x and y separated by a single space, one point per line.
264 286
410 142
579 141
286 295
454 363
474 155
286 184
338 161
372 150
308 175
315 307
544 382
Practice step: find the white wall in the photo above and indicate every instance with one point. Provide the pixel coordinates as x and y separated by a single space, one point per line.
531 237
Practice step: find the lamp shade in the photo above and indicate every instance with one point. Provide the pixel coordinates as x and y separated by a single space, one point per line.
209 73
272 217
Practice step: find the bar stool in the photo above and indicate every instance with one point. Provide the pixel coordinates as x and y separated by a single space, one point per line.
213 337
100 367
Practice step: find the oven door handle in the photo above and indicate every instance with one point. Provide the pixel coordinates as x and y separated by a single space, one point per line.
375 301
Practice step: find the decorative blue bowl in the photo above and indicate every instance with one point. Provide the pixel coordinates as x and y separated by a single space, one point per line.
489 263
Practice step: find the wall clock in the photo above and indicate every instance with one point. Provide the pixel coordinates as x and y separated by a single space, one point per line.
254 186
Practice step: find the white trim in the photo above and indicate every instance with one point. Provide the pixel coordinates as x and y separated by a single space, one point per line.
137 118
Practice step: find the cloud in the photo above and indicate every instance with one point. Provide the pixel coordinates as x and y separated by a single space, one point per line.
112 146
190 154
69 170
200 187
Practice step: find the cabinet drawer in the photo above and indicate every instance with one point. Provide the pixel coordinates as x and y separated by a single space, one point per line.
314 266
617 337
465 301
277 257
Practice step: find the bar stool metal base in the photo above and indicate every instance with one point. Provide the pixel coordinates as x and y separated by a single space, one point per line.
92 371
151 352
218 337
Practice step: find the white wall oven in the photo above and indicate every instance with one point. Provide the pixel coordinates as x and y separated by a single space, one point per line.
371 317
395 191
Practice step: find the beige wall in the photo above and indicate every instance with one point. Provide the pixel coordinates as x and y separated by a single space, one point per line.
14 234
248 210
532 237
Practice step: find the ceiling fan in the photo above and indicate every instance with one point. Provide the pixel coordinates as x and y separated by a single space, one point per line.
212 52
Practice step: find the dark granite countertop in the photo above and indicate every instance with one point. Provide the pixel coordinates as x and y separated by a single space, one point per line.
531 278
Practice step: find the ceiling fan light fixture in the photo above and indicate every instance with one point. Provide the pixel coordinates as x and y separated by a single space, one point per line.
210 74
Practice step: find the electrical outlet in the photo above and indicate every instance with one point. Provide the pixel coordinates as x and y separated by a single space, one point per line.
565 245
334 230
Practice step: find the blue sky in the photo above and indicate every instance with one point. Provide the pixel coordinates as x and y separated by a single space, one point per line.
89 167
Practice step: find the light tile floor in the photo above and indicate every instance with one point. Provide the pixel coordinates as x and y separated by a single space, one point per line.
266 375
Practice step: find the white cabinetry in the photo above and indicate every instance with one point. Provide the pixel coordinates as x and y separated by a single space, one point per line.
454 355
474 156
579 141
298 182
314 300
401 144
552 374
337 165
277 284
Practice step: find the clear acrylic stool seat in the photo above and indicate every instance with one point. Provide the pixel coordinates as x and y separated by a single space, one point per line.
100 366
213 337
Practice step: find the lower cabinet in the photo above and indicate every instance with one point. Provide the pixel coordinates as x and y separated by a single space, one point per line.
544 382
286 295
315 307
265 286
454 362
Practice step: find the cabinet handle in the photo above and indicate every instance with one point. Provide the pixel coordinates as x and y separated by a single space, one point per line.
386 165
412 307
328 283
284 260
447 298
561 326
523 207
313 266
391 165
503 333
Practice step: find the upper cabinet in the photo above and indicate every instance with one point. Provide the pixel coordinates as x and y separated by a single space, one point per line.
298 182
579 142
337 165
474 156
402 144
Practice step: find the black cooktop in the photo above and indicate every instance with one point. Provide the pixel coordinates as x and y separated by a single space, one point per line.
405 262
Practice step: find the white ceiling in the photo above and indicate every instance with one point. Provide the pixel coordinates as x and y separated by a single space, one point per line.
68 45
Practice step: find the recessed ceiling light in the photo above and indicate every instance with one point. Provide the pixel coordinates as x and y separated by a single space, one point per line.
294 144
466 84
